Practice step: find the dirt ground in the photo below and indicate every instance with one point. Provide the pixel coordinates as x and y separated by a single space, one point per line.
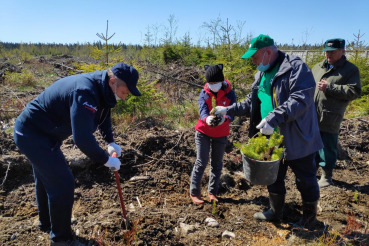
155 180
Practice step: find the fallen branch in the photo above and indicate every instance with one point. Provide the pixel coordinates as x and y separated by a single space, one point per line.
138 201
179 80
136 178
6 174
57 65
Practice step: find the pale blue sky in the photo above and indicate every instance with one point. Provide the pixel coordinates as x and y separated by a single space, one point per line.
70 21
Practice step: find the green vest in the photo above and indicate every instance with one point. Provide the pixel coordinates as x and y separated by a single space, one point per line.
266 105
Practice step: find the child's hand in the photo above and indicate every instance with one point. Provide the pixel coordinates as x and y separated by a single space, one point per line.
209 120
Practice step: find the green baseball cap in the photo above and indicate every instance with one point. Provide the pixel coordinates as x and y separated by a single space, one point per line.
333 44
260 41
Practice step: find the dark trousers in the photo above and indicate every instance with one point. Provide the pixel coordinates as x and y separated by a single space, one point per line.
53 180
203 143
305 174
327 156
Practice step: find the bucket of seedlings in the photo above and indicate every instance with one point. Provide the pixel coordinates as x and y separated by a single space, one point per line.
261 158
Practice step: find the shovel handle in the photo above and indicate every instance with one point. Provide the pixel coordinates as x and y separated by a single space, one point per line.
119 189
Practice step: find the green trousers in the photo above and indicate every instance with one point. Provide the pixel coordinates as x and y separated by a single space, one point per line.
327 156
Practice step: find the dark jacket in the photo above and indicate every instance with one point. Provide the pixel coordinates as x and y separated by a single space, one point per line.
77 105
344 86
224 97
294 113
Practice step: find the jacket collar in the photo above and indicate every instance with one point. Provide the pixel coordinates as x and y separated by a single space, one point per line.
285 61
340 63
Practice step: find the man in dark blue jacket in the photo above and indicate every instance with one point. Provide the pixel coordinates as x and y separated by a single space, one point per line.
283 96
76 105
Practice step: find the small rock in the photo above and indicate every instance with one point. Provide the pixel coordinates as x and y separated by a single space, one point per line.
168 232
74 221
211 222
228 234
14 236
187 229
131 207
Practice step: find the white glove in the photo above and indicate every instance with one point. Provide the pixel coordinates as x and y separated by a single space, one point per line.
220 110
265 128
113 147
113 163
209 119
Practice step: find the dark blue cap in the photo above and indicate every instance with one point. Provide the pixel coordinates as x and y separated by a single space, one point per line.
129 75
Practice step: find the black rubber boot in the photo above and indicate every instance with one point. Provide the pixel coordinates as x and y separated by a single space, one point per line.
276 208
326 178
308 220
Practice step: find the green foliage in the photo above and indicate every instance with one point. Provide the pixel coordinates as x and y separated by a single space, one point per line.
23 79
261 148
358 107
314 57
150 100
365 90
362 62
213 105
355 196
214 207
170 54
105 52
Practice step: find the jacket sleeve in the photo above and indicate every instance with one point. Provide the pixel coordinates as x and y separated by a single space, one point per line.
349 91
203 107
301 97
105 128
82 122
232 97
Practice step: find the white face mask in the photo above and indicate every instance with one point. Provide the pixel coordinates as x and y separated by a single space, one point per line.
115 94
215 87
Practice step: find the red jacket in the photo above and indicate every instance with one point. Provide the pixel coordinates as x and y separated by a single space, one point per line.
224 97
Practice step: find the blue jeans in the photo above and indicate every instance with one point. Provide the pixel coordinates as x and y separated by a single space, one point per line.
203 143
305 173
54 181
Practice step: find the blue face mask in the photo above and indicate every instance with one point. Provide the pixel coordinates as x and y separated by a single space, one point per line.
262 67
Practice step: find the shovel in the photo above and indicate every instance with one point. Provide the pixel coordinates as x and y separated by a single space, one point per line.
125 215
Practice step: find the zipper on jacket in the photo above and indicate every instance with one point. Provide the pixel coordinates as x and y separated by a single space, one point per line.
101 117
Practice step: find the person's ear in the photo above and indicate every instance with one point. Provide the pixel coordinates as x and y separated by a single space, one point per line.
112 81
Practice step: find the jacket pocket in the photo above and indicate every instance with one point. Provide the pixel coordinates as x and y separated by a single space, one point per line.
329 117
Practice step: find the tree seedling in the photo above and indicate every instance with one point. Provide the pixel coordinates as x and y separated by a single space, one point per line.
214 207
217 118
263 149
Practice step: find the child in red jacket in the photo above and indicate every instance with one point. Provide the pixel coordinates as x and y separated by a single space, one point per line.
211 132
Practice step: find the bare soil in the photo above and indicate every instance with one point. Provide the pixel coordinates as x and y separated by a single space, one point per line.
159 204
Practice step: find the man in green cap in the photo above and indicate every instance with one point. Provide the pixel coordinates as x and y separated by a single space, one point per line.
338 82
283 96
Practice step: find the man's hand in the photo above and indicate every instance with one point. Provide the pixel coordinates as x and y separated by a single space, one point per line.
322 85
220 110
209 120
265 128
113 163
113 147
